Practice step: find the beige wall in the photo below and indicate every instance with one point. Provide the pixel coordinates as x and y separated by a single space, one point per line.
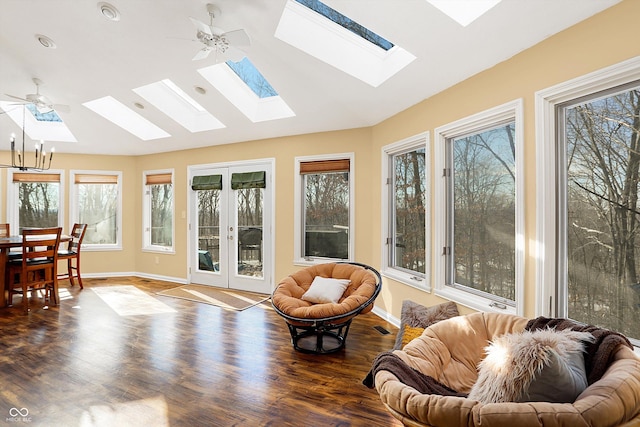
603 40
284 151
107 261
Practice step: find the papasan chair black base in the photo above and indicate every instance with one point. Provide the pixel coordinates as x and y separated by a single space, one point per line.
322 328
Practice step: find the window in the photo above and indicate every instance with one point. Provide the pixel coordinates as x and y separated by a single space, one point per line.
590 230
158 211
404 216
324 208
480 212
97 201
34 199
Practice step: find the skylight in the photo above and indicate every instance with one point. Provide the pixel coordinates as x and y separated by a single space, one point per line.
346 45
49 116
167 97
464 12
54 130
121 115
347 23
252 77
257 104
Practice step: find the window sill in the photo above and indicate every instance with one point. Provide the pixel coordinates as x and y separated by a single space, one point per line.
159 250
100 248
407 279
474 302
315 261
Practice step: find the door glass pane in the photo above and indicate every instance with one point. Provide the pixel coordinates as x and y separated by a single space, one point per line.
409 211
38 204
326 215
249 216
98 208
602 224
483 202
209 230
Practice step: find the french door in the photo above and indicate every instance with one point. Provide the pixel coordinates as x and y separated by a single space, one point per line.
230 226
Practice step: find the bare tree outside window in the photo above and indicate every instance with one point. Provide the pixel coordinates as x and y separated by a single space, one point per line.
602 146
209 229
482 196
98 207
250 220
38 204
161 214
326 215
409 211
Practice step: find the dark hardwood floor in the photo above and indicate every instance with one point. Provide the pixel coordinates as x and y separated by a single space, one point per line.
207 366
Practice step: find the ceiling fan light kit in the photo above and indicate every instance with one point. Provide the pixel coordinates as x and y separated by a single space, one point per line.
217 40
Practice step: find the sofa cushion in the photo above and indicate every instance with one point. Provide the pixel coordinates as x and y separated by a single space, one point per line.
415 315
539 366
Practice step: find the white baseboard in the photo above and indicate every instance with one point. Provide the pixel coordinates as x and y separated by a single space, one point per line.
386 316
176 280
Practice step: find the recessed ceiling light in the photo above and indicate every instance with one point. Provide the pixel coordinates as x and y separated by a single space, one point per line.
200 90
109 11
45 41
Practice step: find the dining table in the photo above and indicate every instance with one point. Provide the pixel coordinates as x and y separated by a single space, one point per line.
6 243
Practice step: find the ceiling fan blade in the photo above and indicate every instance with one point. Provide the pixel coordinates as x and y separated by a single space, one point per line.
217 31
202 53
201 26
17 97
44 109
238 38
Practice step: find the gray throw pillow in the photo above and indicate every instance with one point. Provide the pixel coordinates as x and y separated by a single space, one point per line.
415 315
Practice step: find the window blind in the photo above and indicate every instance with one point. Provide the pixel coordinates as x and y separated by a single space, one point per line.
206 182
320 166
248 180
158 179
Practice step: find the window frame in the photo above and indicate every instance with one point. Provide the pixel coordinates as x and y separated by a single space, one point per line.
74 209
13 213
414 279
547 264
147 246
512 110
298 214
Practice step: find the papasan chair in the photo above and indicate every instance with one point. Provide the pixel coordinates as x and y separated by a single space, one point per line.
445 363
319 302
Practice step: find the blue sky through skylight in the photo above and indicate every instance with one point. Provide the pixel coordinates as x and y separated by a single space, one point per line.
50 116
252 77
347 23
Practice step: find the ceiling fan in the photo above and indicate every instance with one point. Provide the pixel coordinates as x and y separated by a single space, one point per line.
217 40
41 102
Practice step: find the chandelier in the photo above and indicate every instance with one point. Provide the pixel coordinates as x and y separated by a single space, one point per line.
19 157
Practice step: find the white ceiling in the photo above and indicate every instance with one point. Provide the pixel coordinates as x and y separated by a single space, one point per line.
153 41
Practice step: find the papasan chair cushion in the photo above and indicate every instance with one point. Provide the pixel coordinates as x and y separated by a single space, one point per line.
450 351
323 327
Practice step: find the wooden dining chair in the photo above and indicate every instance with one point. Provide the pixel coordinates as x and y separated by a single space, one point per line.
5 230
72 254
37 268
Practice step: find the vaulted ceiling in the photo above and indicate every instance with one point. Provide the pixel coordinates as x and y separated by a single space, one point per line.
154 40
